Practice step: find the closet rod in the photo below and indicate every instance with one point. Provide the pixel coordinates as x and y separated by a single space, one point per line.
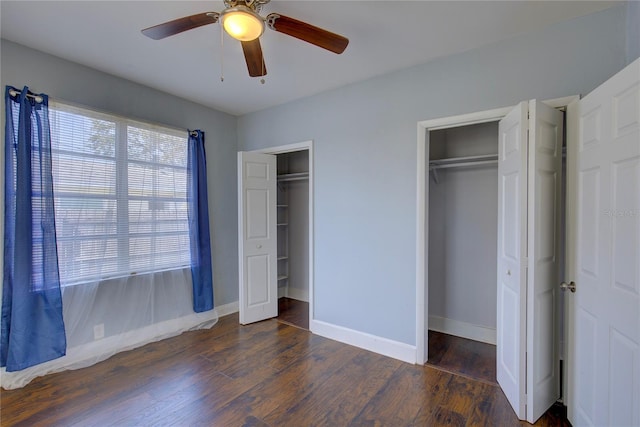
464 164
463 161
293 176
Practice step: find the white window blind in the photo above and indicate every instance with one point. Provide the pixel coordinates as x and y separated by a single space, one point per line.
120 195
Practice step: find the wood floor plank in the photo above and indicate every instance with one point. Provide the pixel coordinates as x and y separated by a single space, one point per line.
240 360
127 403
293 312
400 400
281 392
459 355
284 344
341 398
263 375
119 376
182 407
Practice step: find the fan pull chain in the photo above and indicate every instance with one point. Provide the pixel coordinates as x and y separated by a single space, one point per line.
221 53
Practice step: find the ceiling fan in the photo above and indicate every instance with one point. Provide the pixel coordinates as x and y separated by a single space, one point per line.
241 20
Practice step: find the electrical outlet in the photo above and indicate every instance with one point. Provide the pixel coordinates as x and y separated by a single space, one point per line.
98 331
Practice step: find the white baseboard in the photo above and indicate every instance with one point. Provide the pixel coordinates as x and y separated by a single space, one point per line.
282 292
463 329
298 294
225 309
384 346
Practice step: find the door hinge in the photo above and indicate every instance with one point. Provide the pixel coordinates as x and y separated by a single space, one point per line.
526 377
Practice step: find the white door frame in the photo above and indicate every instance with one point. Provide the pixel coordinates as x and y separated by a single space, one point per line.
290 148
422 213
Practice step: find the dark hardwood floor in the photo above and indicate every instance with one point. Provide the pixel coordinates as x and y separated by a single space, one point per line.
265 374
293 312
462 356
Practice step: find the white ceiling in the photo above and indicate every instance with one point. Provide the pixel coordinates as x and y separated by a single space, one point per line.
384 36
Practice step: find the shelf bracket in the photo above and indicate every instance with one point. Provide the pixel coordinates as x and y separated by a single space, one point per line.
434 173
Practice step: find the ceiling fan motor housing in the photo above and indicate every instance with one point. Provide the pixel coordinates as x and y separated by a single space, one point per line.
255 5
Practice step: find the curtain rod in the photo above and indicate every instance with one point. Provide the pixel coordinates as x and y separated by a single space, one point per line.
14 92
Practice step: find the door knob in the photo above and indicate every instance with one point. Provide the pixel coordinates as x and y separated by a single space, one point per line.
571 286
259 246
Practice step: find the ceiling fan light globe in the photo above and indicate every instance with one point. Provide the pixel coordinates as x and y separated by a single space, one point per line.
242 23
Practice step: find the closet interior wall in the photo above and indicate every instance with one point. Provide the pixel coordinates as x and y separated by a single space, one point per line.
293 228
463 221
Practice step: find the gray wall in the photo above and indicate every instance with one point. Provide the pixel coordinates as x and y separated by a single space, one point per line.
463 228
365 155
71 82
633 30
298 193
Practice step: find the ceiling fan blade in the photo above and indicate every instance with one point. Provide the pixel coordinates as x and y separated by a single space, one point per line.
253 56
307 32
180 25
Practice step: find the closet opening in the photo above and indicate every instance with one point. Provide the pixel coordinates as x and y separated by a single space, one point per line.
293 237
462 241
275 234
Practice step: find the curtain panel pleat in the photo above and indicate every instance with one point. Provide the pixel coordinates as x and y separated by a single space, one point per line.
198 211
32 327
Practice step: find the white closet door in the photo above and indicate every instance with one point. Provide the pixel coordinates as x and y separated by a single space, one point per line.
257 237
529 167
604 253
546 133
512 261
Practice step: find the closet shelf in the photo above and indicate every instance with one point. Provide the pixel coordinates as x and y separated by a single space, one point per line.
282 206
283 277
282 258
282 224
293 176
456 162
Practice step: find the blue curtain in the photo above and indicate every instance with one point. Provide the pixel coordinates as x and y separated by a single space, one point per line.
32 325
198 208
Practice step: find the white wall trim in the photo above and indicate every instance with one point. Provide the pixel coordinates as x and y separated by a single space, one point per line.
226 309
298 294
422 214
561 103
465 119
463 329
422 261
383 346
288 148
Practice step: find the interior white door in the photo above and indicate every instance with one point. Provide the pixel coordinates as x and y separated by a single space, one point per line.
604 254
257 237
512 260
546 134
529 170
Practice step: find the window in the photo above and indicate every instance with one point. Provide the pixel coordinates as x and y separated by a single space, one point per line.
120 190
